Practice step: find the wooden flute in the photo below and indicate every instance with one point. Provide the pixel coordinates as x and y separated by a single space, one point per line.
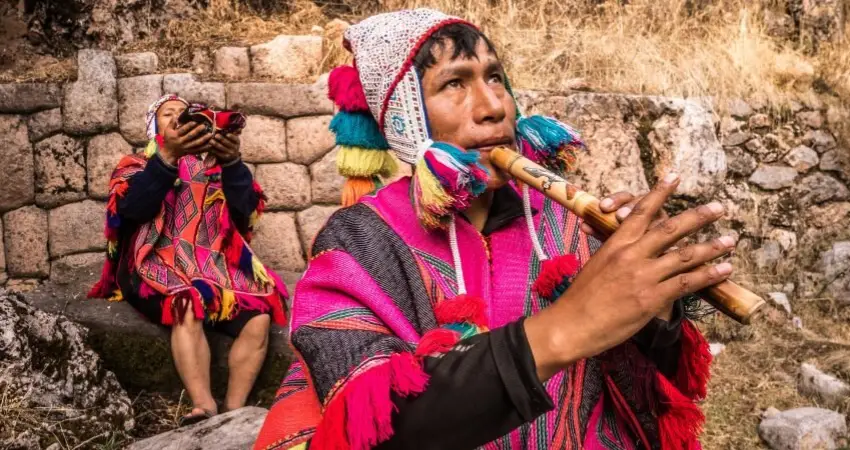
727 297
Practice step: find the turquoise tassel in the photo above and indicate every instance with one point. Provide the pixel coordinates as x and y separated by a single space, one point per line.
549 142
358 129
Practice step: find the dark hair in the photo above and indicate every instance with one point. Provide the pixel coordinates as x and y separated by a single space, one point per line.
464 39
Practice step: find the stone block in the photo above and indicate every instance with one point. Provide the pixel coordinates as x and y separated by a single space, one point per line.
820 187
135 64
29 97
82 268
90 104
310 222
45 123
60 171
194 91
802 158
25 239
76 228
233 430
264 140
232 62
811 381
803 429
102 155
308 139
282 100
135 95
774 177
276 242
287 185
289 57
327 182
17 170
819 140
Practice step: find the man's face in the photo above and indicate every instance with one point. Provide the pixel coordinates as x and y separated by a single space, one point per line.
167 113
468 104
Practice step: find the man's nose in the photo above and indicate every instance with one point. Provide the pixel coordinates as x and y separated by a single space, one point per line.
488 104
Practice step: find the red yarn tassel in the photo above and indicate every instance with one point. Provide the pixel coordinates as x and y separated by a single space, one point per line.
681 423
694 368
463 308
553 272
261 204
408 376
197 303
167 310
106 285
438 340
345 90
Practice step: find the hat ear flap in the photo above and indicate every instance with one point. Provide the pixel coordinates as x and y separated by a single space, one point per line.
363 151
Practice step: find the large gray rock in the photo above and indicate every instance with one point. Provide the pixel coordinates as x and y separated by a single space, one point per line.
76 228
45 123
264 140
60 171
29 97
234 430
773 177
803 429
135 95
802 158
837 160
90 103
83 268
308 138
276 242
289 57
739 108
135 64
835 265
287 185
811 381
819 140
310 222
283 100
818 188
739 162
17 170
56 376
102 155
25 239
192 90
232 62
327 182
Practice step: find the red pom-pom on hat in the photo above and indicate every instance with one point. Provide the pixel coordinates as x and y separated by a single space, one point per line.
345 90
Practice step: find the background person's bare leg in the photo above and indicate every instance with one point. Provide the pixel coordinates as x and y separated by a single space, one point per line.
245 360
191 354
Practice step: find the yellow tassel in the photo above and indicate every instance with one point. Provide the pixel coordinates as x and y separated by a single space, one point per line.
112 247
117 296
364 163
434 201
253 218
301 446
260 274
150 150
218 195
228 301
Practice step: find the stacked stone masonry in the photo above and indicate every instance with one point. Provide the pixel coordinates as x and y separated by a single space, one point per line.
782 176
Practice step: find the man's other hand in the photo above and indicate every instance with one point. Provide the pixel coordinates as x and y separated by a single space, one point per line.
187 139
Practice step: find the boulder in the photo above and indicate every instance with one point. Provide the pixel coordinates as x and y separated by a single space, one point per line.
837 160
773 177
60 171
76 228
135 64
45 123
818 188
819 140
308 139
811 381
327 182
82 268
310 222
135 95
194 91
286 185
47 364
90 104
25 239
29 97
803 429
233 430
736 138
802 158
282 100
102 156
232 62
17 170
288 57
276 242
263 140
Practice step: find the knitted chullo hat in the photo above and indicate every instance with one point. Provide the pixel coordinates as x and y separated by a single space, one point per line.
381 108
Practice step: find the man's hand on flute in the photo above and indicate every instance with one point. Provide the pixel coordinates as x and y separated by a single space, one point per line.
635 276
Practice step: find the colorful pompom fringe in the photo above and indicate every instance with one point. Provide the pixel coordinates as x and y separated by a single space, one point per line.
548 142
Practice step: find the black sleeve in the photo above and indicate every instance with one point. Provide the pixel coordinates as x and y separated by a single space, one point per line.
483 389
238 185
148 188
659 340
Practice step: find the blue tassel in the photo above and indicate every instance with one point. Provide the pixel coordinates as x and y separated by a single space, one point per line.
549 142
204 289
358 129
465 329
113 221
245 262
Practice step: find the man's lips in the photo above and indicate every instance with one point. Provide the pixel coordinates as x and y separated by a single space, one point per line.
486 147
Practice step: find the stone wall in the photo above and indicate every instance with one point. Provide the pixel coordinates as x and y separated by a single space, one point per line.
60 143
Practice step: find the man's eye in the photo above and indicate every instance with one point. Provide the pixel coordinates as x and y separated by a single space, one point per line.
452 84
496 78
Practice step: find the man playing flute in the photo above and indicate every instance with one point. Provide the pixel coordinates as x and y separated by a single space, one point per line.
454 309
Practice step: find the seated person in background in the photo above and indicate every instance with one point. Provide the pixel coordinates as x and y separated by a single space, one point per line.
179 220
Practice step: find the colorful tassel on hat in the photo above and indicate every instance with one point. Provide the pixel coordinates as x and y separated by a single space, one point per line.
555 276
445 180
548 142
345 90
